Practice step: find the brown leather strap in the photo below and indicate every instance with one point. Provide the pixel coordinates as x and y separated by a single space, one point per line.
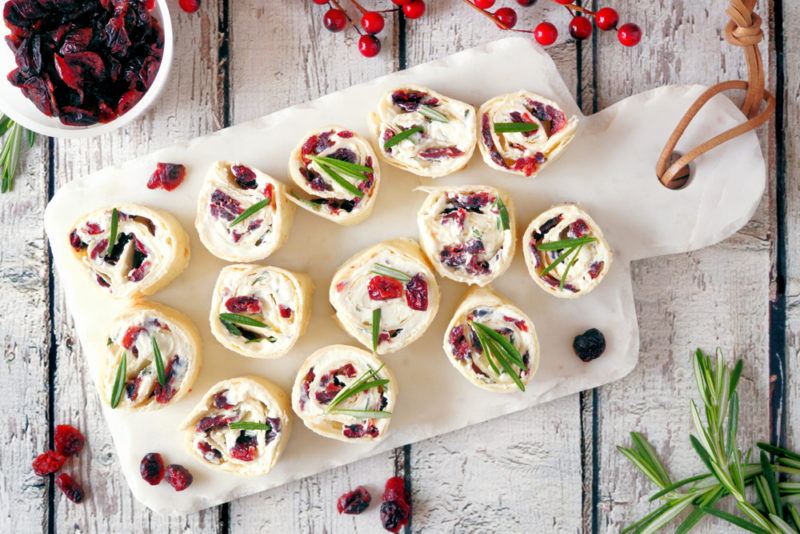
744 30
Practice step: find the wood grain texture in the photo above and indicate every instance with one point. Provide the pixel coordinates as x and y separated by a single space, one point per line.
492 477
190 106
715 297
301 61
25 339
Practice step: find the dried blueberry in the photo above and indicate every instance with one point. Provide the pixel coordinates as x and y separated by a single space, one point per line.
589 345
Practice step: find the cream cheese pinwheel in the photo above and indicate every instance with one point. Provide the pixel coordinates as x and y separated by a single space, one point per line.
565 251
386 296
131 250
242 213
258 311
338 173
486 319
423 132
240 426
468 232
152 359
345 393
522 132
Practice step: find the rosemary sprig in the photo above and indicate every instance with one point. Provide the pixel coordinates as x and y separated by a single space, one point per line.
236 318
514 127
12 150
402 136
366 381
250 425
569 266
353 169
432 114
376 328
112 236
730 472
119 381
162 378
501 208
340 180
566 243
249 212
385 270
497 347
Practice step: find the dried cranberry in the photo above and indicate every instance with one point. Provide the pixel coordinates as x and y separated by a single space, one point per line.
589 345
244 177
595 269
441 152
246 304
382 287
245 448
68 440
417 293
459 342
519 323
69 487
285 311
359 431
410 100
354 502
223 205
165 393
75 241
395 510
130 336
488 141
221 400
168 176
211 422
152 468
527 165
178 477
457 215
48 462
579 228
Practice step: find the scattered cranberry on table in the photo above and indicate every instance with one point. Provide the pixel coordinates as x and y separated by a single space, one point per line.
354 502
395 510
178 477
167 176
69 487
47 463
68 440
590 345
152 468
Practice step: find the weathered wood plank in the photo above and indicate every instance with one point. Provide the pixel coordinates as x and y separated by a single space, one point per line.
301 61
25 341
190 106
715 297
518 472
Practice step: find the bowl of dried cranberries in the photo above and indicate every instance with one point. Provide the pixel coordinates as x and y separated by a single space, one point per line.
79 68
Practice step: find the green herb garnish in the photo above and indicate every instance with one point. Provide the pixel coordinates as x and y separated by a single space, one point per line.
12 150
376 328
514 127
236 318
119 381
566 243
249 212
354 170
385 270
250 425
112 239
402 136
432 114
366 381
341 181
367 414
573 249
501 208
496 347
162 378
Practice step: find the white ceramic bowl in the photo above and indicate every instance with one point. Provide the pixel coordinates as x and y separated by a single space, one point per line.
14 104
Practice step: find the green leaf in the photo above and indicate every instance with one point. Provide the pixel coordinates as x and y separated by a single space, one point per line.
733 423
764 496
514 127
701 452
401 136
676 485
354 168
250 425
376 328
558 260
508 348
769 477
671 513
735 520
341 181
778 451
709 499
232 328
119 381
566 243
794 512
367 414
782 525
486 351
249 212
112 239
31 138
646 519
563 278
359 385
385 270
501 208
162 378
506 365
432 114
244 320
646 450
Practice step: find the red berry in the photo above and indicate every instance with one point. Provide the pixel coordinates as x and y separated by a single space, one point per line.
48 462
564 2
400 2
414 9
335 20
320 2
369 45
354 502
178 477
190 6
580 27
372 22
506 18
483 4
152 468
545 33
526 3
629 34
382 287
69 487
167 176
69 440
395 509
606 18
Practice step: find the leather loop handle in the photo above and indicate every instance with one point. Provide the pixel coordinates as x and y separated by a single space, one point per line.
743 30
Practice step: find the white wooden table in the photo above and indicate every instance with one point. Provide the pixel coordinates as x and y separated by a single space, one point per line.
549 469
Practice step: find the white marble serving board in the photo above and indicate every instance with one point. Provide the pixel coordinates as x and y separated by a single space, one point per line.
608 169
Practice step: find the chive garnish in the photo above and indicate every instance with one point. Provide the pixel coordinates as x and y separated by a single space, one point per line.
569 266
512 351
236 318
249 425
514 127
499 348
341 181
361 384
566 243
232 328
119 381
367 414
249 212
501 207
385 270
314 206
112 238
376 328
343 165
558 260
432 114
402 136
162 378
485 343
